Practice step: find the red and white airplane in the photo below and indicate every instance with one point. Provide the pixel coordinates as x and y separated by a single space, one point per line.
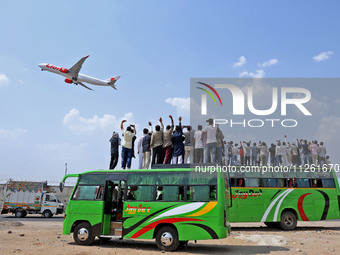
73 76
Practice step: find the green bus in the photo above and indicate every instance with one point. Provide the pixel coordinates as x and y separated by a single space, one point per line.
283 198
172 206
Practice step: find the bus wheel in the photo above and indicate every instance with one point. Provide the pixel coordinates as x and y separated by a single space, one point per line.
82 234
288 220
167 239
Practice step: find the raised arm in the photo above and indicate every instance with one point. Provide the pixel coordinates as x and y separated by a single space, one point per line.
161 121
134 129
172 121
121 124
150 127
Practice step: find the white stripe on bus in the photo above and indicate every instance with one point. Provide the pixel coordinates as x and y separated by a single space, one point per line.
271 206
279 204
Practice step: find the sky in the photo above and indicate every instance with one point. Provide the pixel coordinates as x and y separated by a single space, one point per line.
156 47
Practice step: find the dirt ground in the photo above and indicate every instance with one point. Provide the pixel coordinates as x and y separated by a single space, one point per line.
36 237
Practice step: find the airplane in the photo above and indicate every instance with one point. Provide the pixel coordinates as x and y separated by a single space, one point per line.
73 76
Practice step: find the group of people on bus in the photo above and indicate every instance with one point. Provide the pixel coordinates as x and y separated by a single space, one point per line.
182 144
282 153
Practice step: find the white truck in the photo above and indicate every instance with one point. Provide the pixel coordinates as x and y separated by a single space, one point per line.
22 198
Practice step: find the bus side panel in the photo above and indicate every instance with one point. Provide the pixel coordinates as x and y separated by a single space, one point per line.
249 204
138 217
83 210
310 204
207 219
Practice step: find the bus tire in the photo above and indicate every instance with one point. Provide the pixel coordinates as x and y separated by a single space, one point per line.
19 213
47 214
83 234
288 220
167 239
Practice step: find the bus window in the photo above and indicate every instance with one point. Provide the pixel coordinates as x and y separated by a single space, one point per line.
168 193
303 183
232 182
144 193
251 182
213 194
266 182
316 183
131 193
88 193
240 182
328 183
271 182
159 194
279 183
199 193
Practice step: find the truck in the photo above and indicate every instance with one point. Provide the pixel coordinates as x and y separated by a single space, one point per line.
25 197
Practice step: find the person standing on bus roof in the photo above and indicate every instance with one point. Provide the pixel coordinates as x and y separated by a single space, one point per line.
178 145
247 154
128 135
115 142
189 144
146 147
322 154
254 153
167 143
219 145
272 151
278 153
140 146
315 148
157 144
199 148
210 130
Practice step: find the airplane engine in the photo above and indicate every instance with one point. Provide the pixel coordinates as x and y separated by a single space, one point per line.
67 80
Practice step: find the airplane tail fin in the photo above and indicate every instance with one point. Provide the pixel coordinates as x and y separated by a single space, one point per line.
111 81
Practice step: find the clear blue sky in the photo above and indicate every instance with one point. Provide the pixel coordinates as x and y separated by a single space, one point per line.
156 46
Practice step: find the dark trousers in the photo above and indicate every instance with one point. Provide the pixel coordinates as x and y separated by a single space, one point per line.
199 155
157 155
114 160
242 160
247 158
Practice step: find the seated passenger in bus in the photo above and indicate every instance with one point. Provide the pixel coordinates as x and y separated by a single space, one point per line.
240 182
293 183
131 193
159 193
212 192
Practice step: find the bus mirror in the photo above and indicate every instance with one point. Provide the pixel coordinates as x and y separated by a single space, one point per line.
61 186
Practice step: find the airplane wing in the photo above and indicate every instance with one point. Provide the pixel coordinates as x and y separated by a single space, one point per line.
74 70
82 84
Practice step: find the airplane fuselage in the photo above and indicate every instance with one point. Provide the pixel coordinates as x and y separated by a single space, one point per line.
64 72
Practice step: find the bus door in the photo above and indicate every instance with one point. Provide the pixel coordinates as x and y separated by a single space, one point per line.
113 208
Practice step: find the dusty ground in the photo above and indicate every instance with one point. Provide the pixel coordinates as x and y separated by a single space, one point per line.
36 237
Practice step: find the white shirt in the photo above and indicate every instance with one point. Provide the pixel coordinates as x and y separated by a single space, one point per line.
140 144
198 140
127 139
211 133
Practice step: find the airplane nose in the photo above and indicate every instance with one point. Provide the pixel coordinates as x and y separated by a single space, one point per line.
42 66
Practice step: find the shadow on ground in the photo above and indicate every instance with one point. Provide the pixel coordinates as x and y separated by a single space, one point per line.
148 246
